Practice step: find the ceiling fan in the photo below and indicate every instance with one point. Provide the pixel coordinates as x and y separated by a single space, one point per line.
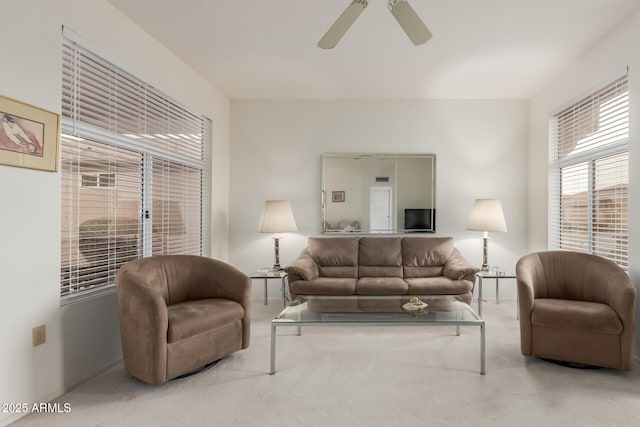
410 22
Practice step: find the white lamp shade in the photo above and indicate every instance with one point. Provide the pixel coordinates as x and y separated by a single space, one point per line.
487 215
277 217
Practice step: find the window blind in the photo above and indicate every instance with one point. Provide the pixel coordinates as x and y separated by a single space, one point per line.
589 175
101 229
177 218
135 168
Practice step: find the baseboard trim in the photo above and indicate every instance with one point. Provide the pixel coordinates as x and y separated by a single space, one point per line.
58 393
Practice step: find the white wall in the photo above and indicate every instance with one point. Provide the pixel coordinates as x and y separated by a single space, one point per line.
604 62
481 149
82 338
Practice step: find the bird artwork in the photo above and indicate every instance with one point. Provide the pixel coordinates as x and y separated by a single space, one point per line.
16 139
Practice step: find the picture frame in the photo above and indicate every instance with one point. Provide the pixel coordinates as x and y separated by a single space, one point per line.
337 196
29 136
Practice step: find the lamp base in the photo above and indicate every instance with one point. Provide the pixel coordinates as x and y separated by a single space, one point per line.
276 264
485 252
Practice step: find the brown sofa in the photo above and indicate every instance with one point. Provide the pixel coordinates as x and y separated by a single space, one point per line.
381 266
576 307
180 312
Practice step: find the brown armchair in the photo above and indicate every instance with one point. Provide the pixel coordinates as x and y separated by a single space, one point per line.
180 312
576 307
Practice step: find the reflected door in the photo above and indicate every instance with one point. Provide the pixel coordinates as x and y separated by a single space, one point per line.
380 213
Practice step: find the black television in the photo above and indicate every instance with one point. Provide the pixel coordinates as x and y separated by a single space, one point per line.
420 220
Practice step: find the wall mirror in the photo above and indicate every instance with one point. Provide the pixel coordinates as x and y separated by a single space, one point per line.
378 193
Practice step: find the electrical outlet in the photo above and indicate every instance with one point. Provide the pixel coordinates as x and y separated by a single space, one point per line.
39 335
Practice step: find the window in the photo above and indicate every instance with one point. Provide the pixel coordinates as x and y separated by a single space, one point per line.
589 175
135 170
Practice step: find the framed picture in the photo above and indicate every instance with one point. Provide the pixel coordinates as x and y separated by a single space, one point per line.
337 196
28 136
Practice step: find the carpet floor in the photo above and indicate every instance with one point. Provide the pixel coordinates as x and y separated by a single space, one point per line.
365 376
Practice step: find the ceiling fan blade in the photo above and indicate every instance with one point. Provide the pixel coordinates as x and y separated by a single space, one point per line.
342 24
409 20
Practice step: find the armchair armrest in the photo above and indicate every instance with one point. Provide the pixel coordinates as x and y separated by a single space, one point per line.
526 269
622 296
143 319
304 267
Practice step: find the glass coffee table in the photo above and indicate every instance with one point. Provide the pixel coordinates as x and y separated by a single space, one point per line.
354 310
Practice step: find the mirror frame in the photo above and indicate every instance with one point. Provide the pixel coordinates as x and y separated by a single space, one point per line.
397 230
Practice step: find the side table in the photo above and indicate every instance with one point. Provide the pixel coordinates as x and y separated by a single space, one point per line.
494 274
267 274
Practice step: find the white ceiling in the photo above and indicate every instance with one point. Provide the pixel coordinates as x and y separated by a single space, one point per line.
266 49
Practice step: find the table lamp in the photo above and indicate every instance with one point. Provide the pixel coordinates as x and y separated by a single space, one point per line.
486 216
277 217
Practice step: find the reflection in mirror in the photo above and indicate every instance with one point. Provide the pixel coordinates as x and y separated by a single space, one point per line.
378 193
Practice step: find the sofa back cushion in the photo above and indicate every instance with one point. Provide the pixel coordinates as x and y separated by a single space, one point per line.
380 257
425 257
335 256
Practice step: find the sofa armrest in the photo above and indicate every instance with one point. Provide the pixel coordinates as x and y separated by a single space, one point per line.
293 277
304 266
458 267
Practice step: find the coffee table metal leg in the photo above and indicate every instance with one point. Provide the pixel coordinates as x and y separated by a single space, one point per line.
273 349
482 370
458 330
497 292
299 331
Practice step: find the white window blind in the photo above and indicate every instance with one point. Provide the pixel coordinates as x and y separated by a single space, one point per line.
589 175
177 215
101 229
135 172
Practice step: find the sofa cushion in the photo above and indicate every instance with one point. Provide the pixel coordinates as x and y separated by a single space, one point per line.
381 286
190 318
381 251
426 251
334 251
576 315
425 256
380 257
382 271
324 286
409 272
337 271
438 286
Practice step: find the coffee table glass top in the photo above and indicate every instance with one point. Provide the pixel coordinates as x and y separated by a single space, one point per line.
268 273
496 273
443 309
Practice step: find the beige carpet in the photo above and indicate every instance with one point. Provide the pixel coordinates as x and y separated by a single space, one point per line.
367 376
